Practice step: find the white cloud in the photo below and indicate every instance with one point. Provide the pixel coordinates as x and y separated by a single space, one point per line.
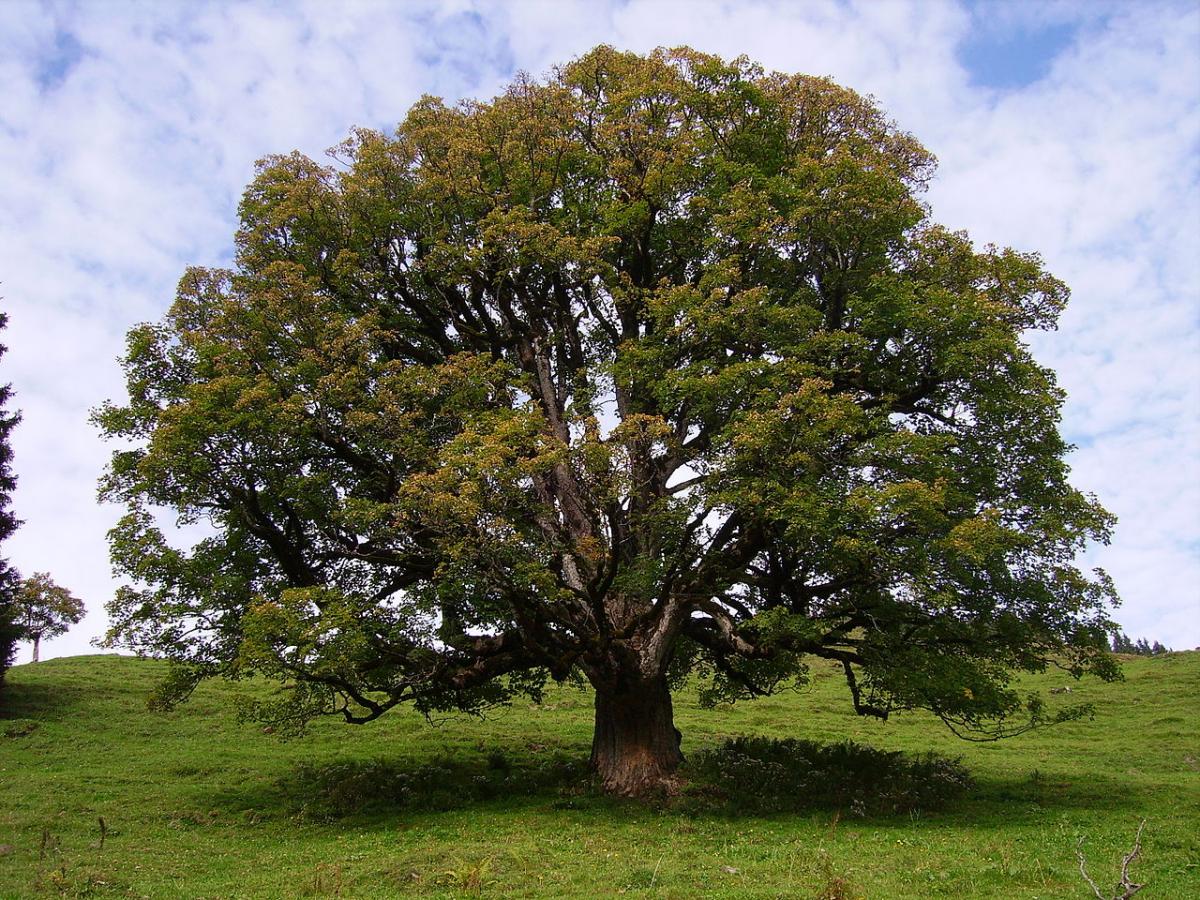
125 147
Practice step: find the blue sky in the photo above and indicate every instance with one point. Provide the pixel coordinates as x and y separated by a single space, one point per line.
1010 55
127 132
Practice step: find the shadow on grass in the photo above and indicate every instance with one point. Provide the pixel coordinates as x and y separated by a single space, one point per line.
744 778
1054 790
49 702
380 788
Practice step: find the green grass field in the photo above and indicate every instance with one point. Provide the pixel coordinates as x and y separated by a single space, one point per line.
197 804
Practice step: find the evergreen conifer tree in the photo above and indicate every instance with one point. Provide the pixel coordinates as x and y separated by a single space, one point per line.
9 579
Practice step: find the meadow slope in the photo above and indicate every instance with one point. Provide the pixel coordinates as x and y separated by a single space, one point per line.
196 803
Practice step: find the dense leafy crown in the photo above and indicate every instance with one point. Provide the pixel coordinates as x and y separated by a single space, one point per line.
46 609
654 365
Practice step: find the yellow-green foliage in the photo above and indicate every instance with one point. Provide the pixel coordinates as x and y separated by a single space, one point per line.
617 373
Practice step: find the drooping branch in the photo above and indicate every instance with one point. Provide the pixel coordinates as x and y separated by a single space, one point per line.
863 709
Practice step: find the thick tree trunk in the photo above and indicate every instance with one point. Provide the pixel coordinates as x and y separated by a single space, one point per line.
635 749
37 639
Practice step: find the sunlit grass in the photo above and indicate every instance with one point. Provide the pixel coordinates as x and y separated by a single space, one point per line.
196 804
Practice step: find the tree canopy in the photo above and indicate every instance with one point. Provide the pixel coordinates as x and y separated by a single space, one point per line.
655 366
45 610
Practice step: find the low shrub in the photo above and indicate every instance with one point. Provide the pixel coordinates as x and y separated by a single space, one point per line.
755 774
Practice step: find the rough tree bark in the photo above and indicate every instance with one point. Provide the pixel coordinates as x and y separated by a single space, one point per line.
635 746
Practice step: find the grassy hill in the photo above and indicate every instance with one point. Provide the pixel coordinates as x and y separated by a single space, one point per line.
197 804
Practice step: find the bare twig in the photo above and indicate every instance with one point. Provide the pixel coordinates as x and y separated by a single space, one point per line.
1083 870
1125 888
1130 857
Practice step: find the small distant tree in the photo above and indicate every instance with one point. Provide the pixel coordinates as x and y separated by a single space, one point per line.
1123 643
45 610
9 579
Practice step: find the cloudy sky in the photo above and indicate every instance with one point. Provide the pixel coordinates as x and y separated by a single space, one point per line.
127 132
